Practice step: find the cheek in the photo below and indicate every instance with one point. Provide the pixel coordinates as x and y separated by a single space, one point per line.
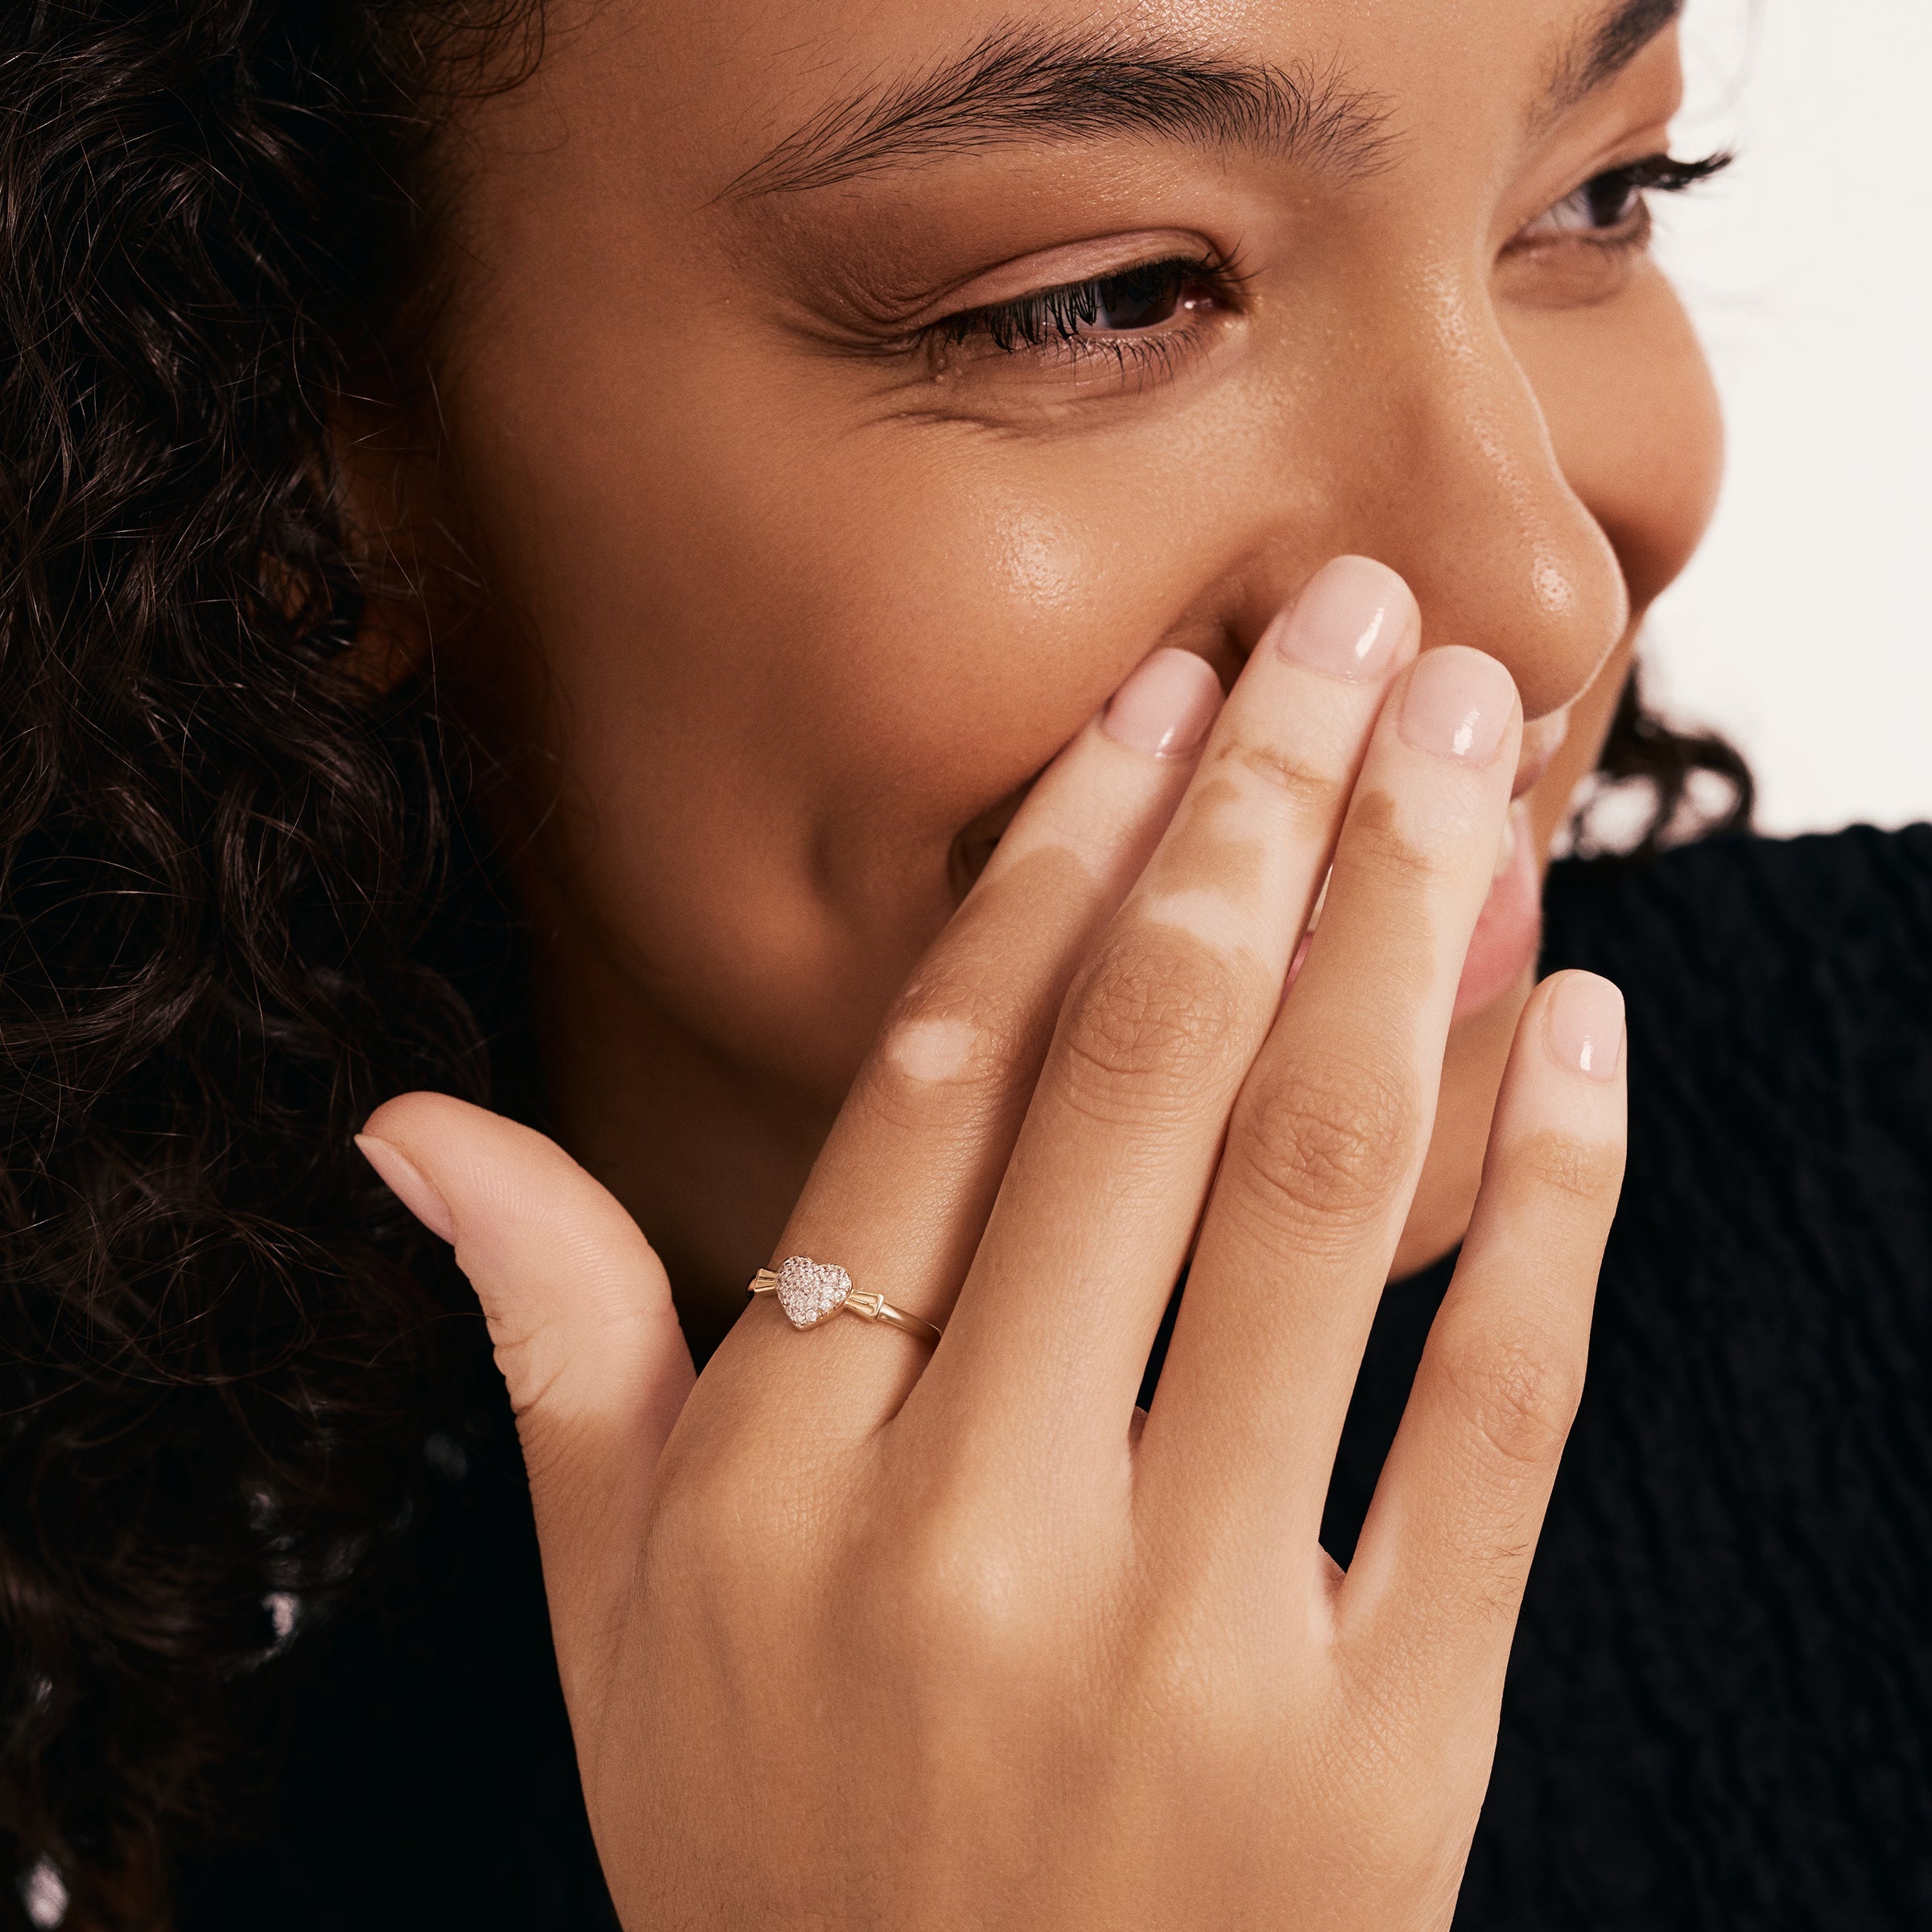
955 621
782 669
1633 417
920 615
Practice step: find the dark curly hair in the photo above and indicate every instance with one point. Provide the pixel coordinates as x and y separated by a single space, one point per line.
227 865
1657 784
222 1345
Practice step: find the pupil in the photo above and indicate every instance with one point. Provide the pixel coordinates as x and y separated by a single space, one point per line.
1139 297
1612 198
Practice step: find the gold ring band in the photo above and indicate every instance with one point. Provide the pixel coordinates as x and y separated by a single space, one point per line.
810 1291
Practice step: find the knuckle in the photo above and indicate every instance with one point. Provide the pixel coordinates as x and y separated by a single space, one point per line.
943 1039
1517 1395
1589 1173
1408 1804
1156 1019
1309 792
948 1585
1327 1140
1384 857
1373 1754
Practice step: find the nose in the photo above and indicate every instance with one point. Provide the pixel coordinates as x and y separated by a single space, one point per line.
1450 476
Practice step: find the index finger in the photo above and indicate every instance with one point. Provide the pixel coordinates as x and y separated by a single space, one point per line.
900 1192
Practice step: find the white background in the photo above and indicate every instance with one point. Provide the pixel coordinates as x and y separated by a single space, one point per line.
1802 627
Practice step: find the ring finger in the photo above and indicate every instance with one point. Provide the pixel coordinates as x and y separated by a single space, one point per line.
1115 1158
1327 1140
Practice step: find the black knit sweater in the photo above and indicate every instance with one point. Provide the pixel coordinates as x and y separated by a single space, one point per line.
1719 1704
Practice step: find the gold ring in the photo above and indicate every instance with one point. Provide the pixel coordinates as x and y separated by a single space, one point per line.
809 1291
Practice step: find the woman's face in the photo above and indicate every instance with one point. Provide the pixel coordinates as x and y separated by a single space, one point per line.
845 396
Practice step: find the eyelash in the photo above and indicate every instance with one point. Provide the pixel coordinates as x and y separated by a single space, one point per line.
1055 317
1658 173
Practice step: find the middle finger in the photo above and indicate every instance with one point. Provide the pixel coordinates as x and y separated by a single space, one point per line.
1327 1140
1112 1164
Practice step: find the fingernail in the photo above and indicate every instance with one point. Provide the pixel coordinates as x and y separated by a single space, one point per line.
405 1180
1457 705
1165 706
1584 1025
1349 622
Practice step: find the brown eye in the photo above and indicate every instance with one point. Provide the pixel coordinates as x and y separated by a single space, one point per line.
1141 298
1611 207
1132 301
1612 199
1605 202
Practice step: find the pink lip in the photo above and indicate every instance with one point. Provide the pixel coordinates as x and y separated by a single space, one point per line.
1509 932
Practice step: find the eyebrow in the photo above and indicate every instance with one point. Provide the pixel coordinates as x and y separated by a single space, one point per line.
1029 84
1604 49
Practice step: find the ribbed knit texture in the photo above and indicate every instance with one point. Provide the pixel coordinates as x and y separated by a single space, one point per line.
1718 1712
1719 1705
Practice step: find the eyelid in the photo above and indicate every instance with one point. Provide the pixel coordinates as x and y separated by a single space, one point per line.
1057 321
1067 266
1132 360
1658 171
1052 324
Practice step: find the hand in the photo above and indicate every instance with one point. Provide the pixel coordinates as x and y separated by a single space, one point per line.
888 1638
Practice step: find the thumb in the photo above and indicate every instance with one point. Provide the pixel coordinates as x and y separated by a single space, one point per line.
580 1314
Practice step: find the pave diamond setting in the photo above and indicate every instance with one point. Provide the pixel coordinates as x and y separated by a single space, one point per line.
810 1290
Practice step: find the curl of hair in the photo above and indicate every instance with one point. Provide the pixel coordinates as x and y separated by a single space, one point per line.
1657 785
221 1343
223 1346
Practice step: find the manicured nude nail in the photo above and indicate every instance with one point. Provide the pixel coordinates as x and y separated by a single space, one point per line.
1165 706
1457 705
406 1181
1584 1025
1350 621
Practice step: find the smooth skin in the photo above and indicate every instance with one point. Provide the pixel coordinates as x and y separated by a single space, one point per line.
801 619
787 608
882 1640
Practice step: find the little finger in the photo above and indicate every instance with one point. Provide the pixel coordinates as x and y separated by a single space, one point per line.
1439 1570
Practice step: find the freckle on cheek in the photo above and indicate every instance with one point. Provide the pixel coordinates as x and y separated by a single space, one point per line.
932 1050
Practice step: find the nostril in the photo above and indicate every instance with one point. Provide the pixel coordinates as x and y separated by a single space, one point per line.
1502 550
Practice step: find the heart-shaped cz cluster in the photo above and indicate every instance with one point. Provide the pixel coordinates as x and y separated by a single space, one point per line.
810 1290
